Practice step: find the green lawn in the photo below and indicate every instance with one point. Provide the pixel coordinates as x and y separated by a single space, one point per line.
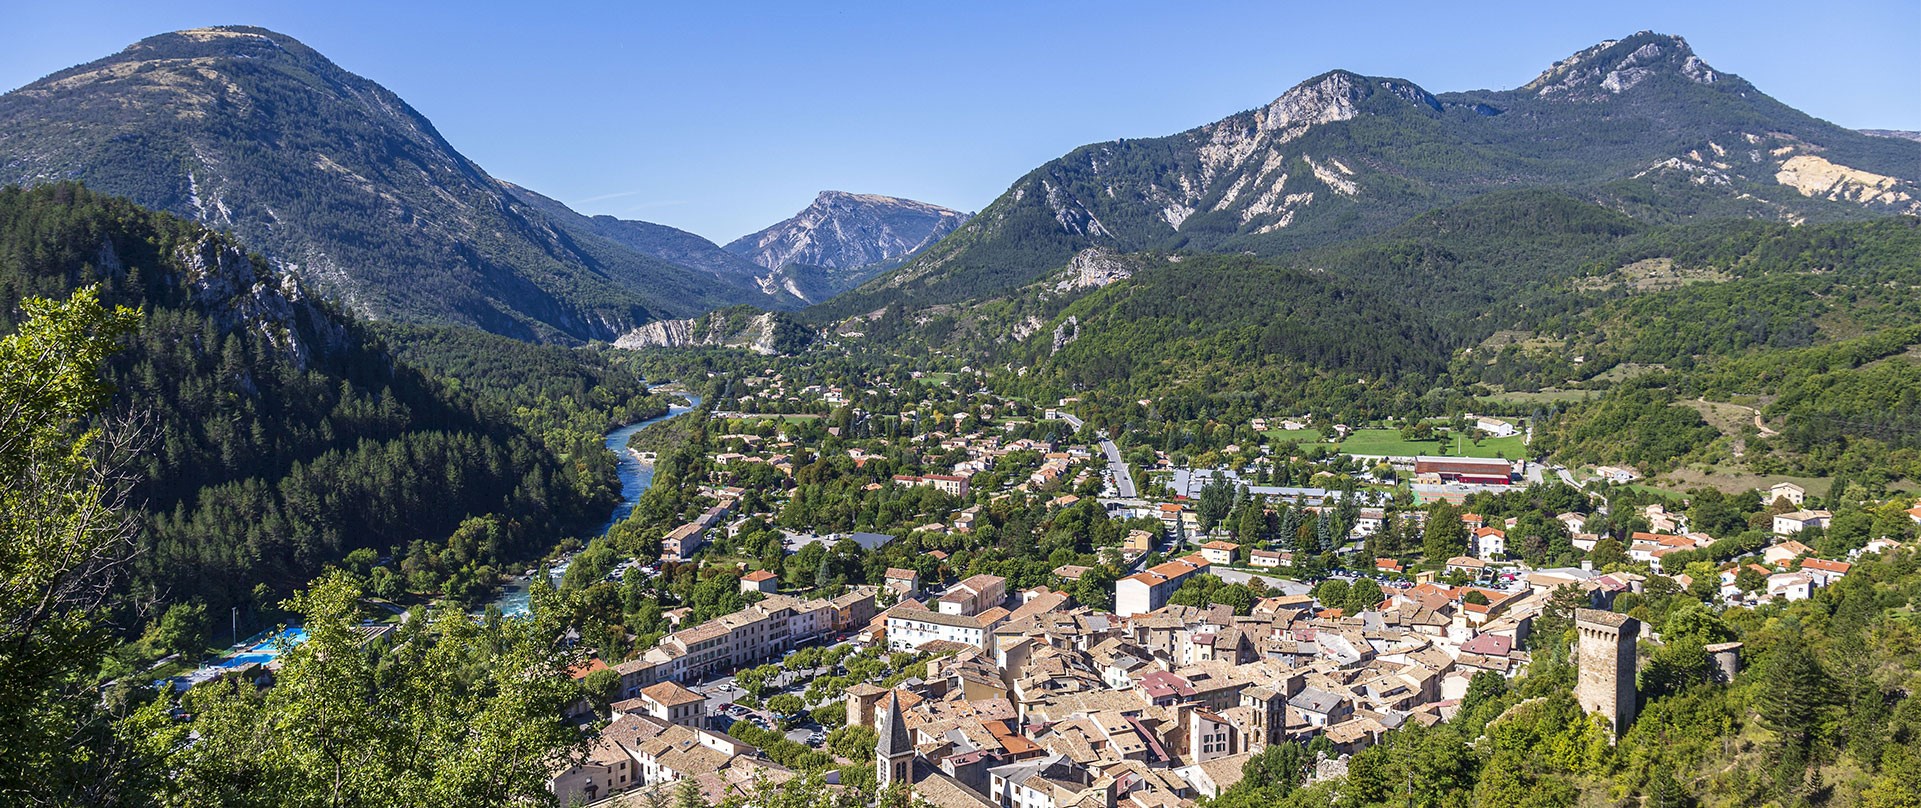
1388 442
1296 435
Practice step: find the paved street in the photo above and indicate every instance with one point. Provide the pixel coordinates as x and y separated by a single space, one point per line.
1116 467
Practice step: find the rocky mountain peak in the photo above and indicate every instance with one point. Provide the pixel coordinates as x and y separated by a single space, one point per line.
1334 96
1328 98
1618 65
842 230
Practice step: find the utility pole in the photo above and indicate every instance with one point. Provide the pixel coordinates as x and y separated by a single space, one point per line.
236 625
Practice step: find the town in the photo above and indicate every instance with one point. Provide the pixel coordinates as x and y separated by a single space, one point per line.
1190 613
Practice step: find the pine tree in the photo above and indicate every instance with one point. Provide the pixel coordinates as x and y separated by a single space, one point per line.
1666 792
1794 693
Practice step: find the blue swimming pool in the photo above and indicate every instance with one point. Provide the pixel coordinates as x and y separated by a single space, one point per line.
264 647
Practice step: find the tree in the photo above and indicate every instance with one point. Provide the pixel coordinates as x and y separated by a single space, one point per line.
1281 765
1664 791
1362 595
452 714
1794 692
1445 535
1217 498
1331 593
687 794
1607 553
1095 589
601 687
182 629
786 705
65 534
1557 616
1486 686
1253 526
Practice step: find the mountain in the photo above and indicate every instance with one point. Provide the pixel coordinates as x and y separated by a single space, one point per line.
1894 133
336 180
717 277
1641 125
843 239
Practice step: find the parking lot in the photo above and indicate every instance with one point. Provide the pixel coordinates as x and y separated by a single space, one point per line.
723 692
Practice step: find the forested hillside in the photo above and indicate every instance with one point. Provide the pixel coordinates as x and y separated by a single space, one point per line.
1530 302
283 434
1810 328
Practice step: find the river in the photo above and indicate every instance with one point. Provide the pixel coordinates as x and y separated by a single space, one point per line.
635 477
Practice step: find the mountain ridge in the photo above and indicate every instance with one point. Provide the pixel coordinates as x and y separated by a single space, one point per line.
338 181
1640 124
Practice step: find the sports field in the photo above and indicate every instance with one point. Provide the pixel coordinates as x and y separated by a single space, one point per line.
1389 442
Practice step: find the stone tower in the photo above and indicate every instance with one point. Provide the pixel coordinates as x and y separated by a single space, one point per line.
894 753
1606 658
862 701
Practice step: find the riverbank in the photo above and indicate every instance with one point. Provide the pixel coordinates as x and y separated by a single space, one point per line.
636 475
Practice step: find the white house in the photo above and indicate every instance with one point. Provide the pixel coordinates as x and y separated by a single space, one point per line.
909 630
1270 558
1219 552
1791 586
1794 494
1788 524
1495 426
1784 552
1489 543
1616 474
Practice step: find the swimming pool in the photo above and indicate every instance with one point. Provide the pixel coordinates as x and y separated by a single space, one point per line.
264 647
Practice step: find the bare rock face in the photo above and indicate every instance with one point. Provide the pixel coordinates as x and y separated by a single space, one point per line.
659 334
1093 268
1065 333
240 293
1617 66
759 333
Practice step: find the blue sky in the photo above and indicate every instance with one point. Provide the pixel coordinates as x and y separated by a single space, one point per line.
723 117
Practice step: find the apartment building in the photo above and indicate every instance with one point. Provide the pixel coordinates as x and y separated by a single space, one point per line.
1149 589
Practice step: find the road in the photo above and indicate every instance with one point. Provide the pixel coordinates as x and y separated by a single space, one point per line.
1123 479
